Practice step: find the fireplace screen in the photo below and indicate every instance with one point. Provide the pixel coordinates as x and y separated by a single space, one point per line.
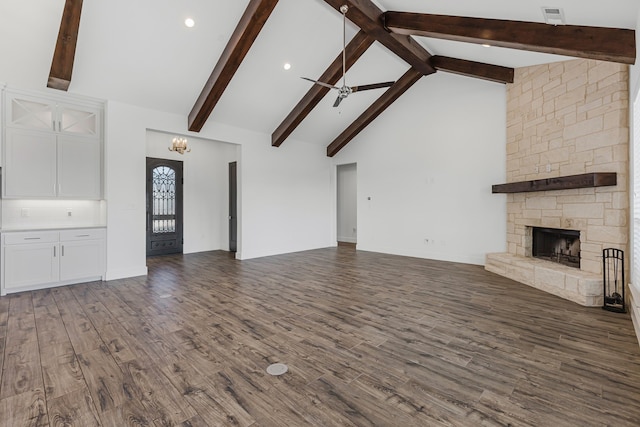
561 246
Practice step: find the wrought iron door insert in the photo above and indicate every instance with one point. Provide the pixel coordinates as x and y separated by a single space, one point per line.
164 206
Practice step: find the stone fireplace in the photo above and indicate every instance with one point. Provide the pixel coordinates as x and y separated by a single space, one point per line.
565 119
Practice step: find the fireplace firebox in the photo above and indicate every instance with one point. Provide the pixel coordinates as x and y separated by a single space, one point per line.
557 245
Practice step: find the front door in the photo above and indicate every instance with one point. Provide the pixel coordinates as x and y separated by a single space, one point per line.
164 206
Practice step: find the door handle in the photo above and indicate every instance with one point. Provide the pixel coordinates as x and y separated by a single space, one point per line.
54 251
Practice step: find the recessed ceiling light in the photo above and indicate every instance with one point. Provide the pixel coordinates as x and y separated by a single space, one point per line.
189 22
486 45
287 66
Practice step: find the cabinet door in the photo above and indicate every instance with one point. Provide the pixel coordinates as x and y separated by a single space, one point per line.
32 264
30 164
78 120
81 259
79 167
30 113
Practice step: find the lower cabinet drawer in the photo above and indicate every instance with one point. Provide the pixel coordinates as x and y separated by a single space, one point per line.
82 234
26 237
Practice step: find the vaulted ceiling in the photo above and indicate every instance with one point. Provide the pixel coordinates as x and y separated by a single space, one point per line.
140 52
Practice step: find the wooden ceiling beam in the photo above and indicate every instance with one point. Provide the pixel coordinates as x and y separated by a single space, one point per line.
354 50
369 18
493 73
246 32
605 44
370 114
65 51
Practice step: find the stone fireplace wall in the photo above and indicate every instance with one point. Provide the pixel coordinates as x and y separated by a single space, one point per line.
569 118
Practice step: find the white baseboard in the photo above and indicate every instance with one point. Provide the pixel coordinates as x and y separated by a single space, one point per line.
634 308
348 239
124 274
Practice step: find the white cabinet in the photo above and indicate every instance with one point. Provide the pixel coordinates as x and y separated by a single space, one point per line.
82 254
30 164
31 112
79 168
51 150
40 259
30 259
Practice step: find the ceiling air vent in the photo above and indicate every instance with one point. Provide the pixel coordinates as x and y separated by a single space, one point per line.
553 15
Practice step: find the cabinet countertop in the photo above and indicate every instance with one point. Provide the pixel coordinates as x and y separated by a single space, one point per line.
74 227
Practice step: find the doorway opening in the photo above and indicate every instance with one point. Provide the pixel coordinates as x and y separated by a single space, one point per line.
164 207
233 207
347 205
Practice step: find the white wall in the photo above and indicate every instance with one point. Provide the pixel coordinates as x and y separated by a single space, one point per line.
634 102
205 189
347 206
635 69
284 194
125 134
286 198
428 164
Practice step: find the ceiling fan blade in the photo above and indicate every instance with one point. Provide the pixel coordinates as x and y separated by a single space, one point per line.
320 83
338 101
371 86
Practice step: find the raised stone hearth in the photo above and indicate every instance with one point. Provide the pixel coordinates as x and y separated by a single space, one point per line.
566 119
566 282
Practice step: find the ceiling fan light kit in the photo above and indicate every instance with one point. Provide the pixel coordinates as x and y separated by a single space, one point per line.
344 91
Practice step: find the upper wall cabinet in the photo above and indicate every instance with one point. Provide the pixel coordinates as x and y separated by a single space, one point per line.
44 166
52 148
30 164
35 113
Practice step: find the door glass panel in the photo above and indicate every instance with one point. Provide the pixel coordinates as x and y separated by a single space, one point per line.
79 122
31 114
164 200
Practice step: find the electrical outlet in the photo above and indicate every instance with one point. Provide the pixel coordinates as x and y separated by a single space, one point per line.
69 211
24 212
548 167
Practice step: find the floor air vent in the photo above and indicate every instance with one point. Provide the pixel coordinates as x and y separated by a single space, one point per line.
277 369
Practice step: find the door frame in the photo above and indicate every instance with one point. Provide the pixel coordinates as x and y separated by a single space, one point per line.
349 240
233 206
178 166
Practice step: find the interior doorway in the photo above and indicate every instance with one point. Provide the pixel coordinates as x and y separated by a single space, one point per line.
347 204
164 206
233 207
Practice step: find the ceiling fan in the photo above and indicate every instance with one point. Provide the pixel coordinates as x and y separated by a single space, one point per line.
345 90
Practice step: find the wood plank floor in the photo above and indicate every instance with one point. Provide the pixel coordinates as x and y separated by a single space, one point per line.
370 340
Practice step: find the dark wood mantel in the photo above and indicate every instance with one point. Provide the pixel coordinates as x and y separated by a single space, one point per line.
585 180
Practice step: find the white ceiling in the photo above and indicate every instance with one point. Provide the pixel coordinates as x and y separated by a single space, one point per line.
139 52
